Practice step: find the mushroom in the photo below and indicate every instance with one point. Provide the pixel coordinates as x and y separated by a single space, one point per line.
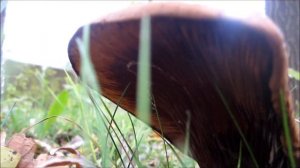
229 75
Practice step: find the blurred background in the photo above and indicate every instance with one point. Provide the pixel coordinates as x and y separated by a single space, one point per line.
38 32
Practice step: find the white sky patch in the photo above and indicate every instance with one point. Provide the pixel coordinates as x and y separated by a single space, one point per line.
38 32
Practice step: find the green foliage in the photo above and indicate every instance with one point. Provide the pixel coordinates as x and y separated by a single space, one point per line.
65 97
294 74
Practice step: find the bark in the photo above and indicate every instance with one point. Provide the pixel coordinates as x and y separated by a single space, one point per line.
285 13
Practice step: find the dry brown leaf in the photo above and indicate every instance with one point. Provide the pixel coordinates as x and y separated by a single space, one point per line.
155 137
70 150
56 160
62 162
25 147
75 143
43 159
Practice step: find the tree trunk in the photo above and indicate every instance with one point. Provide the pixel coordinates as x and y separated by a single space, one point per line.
285 13
2 16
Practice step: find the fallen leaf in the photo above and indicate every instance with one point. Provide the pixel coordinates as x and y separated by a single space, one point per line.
25 147
75 143
9 157
56 160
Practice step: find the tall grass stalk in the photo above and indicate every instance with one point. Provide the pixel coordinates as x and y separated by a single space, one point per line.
112 121
187 136
109 133
236 124
89 79
4 121
286 130
143 84
240 155
161 130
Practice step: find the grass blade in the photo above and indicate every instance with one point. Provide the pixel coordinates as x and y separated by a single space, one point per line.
89 79
286 130
187 136
4 121
143 85
237 126
161 130
240 155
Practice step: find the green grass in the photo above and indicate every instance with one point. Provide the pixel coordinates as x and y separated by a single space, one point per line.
80 110
286 130
294 74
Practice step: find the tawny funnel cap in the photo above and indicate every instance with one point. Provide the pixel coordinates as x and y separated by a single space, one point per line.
197 53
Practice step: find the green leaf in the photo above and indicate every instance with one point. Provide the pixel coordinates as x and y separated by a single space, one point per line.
57 108
294 74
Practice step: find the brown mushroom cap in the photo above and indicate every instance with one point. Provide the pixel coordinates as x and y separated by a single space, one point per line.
194 51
